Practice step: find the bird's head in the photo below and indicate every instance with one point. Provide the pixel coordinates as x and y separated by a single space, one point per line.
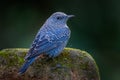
59 18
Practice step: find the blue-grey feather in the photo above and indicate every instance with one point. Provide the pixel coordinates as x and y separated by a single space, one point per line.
50 40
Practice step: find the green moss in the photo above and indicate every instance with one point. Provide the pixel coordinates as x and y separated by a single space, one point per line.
12 57
75 63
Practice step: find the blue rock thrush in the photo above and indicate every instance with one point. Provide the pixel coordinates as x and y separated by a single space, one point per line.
50 39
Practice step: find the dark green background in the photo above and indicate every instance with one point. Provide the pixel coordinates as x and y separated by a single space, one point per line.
96 28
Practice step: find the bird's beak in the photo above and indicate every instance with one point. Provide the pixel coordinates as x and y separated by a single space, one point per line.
69 16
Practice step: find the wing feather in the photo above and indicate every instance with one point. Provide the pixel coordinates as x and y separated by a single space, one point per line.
46 42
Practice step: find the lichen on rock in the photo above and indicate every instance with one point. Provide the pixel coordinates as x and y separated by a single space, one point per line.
71 64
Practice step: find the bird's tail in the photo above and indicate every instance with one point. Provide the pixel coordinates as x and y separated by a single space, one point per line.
26 65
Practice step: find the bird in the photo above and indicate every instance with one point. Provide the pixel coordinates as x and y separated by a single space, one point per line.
50 40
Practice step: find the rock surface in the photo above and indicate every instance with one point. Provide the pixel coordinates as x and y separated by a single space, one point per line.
72 64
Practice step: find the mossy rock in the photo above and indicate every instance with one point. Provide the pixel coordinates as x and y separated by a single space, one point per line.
72 64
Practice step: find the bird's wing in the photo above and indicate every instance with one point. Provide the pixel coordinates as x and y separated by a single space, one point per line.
41 45
44 43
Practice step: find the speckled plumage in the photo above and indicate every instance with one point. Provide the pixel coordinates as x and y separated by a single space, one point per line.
50 39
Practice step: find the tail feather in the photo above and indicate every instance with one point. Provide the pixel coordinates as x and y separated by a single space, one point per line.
26 65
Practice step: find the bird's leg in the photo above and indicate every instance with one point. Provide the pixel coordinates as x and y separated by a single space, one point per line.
45 57
42 56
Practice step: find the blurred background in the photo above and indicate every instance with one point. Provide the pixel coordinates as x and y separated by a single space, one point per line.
95 28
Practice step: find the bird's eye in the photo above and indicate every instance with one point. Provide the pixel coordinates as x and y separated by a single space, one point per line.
59 18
